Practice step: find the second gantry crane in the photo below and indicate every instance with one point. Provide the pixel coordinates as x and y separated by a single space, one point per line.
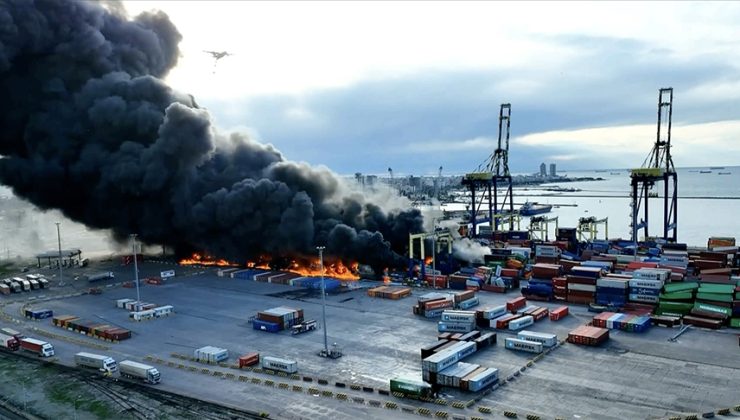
658 166
493 180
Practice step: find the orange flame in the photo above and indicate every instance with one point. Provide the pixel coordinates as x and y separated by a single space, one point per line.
198 259
303 267
428 260
333 269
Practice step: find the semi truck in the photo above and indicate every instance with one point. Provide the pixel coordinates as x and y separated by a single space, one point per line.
98 276
304 326
9 342
41 348
135 370
96 361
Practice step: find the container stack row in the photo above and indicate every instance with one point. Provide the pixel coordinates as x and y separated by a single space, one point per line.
91 328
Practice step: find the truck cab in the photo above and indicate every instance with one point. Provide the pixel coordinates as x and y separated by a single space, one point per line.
304 326
47 350
153 376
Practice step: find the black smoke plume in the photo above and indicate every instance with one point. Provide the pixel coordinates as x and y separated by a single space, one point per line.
87 126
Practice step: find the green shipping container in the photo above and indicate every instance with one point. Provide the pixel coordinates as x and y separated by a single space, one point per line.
677 296
713 308
675 307
717 297
735 323
716 288
680 287
413 387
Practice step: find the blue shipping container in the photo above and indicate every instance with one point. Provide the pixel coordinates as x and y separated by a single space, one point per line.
259 324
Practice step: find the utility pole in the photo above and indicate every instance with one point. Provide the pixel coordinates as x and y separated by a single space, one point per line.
323 297
136 269
434 247
59 240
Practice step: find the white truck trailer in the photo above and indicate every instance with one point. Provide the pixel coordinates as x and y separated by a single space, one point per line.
135 370
96 361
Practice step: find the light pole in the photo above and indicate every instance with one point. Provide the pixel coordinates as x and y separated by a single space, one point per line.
136 268
434 249
323 297
59 240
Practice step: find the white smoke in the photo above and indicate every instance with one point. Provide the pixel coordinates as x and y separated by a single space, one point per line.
468 250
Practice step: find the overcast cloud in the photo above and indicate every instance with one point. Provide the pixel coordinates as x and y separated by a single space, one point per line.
414 86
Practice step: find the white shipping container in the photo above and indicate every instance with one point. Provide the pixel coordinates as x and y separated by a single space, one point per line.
491 313
519 323
281 365
121 303
211 354
652 274
458 316
582 287
482 380
613 283
646 284
449 326
547 340
523 345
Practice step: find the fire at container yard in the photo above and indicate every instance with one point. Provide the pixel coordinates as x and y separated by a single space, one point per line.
98 135
495 321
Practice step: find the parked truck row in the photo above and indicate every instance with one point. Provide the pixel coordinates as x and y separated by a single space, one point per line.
126 368
12 340
18 284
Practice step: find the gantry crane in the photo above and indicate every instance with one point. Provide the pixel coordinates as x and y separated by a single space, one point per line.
658 166
588 228
492 173
539 227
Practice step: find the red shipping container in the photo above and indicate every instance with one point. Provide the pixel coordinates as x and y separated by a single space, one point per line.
514 304
437 304
249 359
503 322
560 281
540 313
509 272
558 313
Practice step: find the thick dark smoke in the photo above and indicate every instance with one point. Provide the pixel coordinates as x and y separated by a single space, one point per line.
87 126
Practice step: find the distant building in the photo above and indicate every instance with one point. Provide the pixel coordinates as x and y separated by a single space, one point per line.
543 170
371 180
553 172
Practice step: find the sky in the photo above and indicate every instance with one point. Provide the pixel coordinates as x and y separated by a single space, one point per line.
364 86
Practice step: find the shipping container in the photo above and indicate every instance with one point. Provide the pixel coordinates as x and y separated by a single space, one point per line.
432 348
265 326
480 380
523 345
522 322
280 365
547 340
514 304
411 387
491 312
9 342
210 354
39 313
451 326
249 359
458 316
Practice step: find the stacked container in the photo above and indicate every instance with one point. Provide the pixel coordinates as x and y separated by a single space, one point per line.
612 291
589 336
457 321
277 319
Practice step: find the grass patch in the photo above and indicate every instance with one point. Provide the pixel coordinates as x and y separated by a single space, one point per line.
99 409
